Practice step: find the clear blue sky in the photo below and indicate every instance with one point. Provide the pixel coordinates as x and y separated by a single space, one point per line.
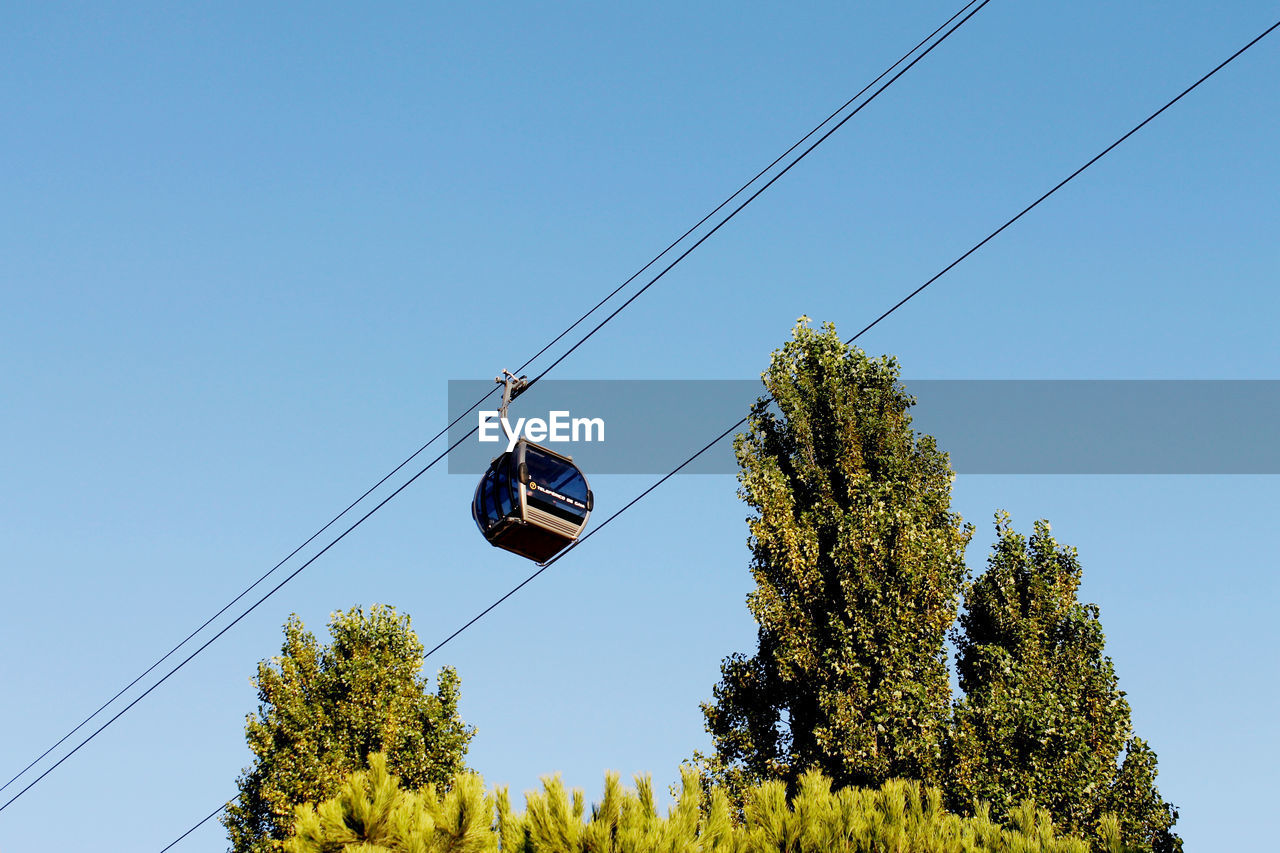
243 250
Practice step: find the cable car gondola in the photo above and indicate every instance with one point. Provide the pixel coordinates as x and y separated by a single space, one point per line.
531 501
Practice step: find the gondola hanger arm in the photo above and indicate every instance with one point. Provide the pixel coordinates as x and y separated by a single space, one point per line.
512 386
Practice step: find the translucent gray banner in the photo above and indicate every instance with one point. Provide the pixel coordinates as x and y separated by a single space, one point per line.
987 426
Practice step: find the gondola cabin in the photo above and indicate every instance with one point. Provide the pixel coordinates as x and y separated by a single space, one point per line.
532 501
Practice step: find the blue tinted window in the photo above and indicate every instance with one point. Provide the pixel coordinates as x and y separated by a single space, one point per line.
490 504
556 475
502 487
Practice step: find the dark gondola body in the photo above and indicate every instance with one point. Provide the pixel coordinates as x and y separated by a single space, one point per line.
532 501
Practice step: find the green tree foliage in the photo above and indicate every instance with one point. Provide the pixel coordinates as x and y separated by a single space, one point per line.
1043 718
858 563
372 814
323 710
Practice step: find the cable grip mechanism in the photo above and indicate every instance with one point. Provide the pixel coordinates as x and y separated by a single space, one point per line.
512 386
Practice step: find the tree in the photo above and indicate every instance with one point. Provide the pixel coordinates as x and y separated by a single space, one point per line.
1042 716
324 709
858 563
373 813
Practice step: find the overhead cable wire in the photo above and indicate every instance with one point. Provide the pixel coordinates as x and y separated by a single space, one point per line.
234 622
766 186
542 568
210 816
335 519
224 609
735 195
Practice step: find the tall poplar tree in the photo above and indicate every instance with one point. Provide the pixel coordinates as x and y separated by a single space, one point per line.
325 709
858 563
1042 716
